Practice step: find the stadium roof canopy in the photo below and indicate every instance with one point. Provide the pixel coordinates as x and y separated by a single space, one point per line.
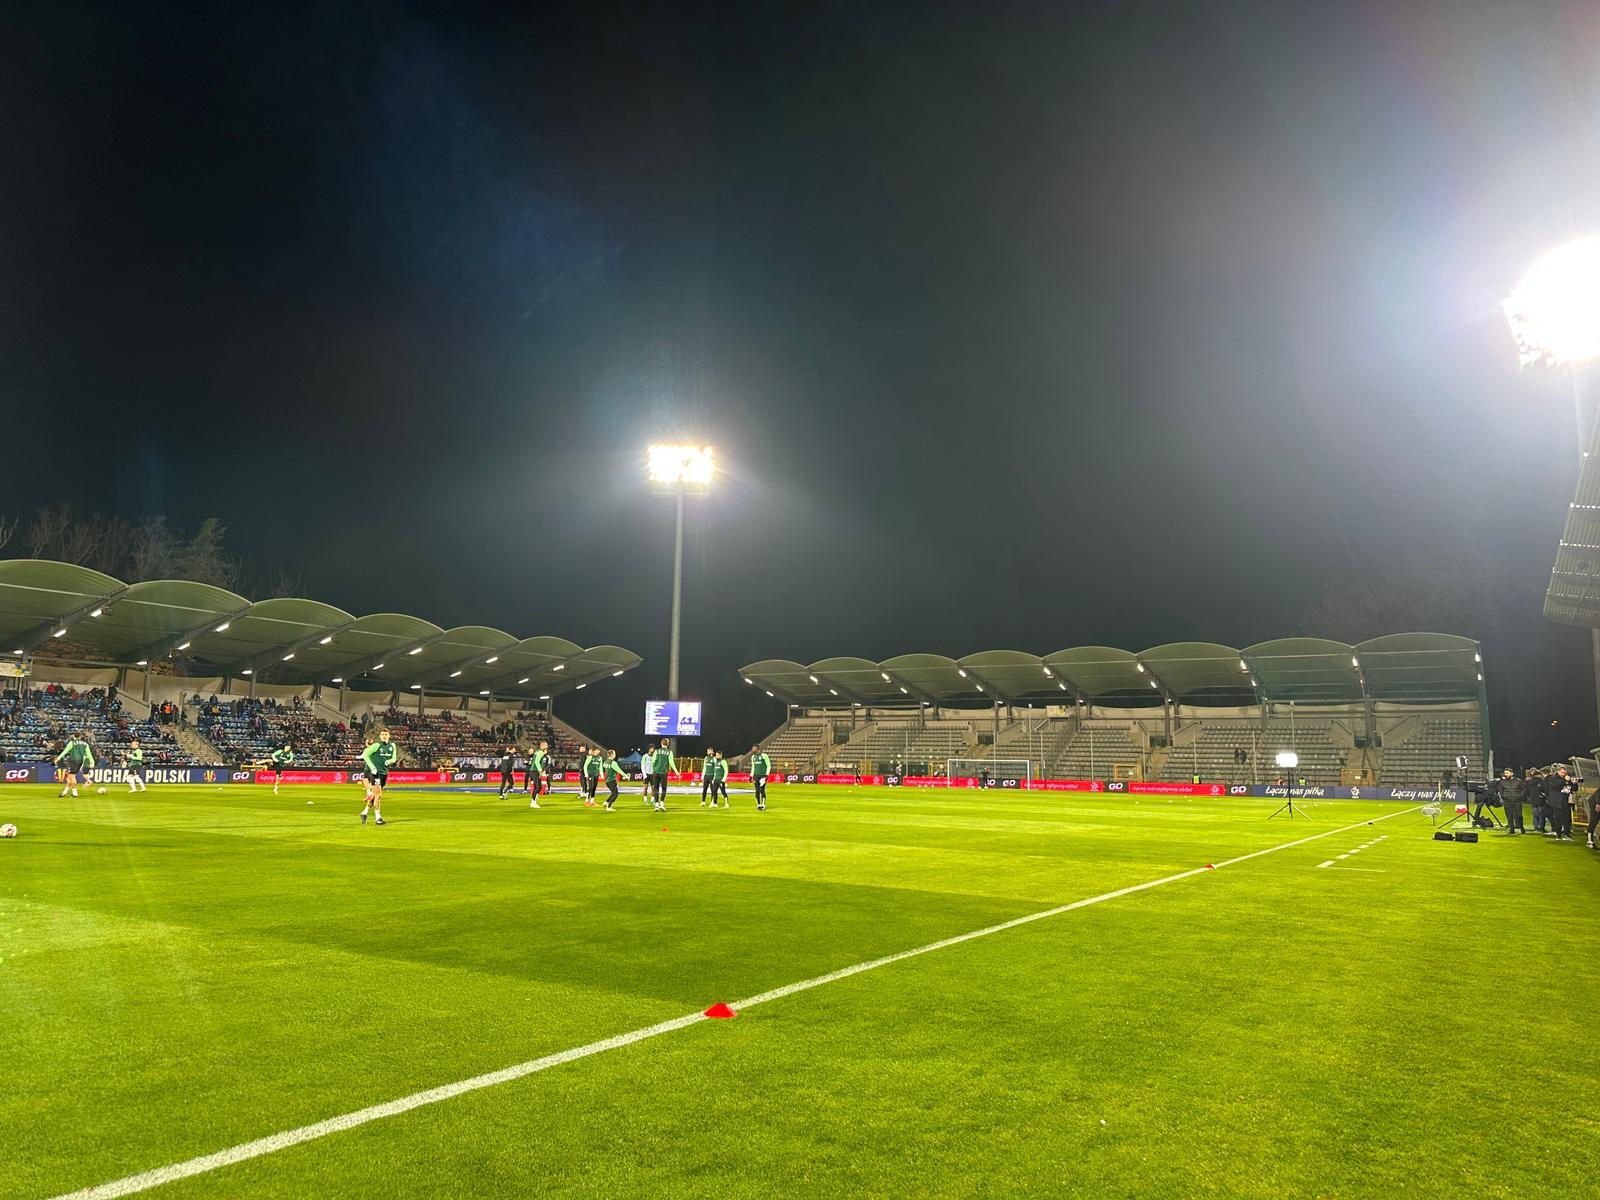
285 640
1416 668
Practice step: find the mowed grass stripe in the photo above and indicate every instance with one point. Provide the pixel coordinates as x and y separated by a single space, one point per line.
277 1142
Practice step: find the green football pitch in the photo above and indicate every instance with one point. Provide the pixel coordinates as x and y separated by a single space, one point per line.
1368 1013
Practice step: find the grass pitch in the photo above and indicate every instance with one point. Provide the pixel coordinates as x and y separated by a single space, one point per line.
193 968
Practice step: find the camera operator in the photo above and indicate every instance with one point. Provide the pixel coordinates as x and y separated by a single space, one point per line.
1558 802
1510 789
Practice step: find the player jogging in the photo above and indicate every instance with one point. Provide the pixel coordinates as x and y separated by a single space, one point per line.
135 771
665 765
508 772
537 770
760 768
377 757
612 770
281 758
591 774
79 760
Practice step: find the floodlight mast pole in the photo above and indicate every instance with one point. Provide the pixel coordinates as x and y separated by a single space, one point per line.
677 606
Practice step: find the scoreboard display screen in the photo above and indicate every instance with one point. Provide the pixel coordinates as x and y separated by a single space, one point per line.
672 718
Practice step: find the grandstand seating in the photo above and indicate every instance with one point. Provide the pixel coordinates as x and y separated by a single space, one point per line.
245 730
1093 751
797 744
34 725
1432 749
910 742
435 738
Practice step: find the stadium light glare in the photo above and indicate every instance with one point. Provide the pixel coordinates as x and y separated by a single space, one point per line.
813 679
1062 686
751 682
1243 666
1480 676
544 697
143 662
677 465
415 650
97 612
223 628
580 687
903 690
337 679
1554 311
59 633
961 673
493 658
1288 759
524 679
1140 665
326 640
378 667
248 671
1354 661
288 656
183 645
1478 658
885 675
559 667
483 692
453 674
1153 683
770 694
17 652
1048 673
833 691
415 686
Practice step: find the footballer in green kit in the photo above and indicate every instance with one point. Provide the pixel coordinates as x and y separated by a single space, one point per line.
377 758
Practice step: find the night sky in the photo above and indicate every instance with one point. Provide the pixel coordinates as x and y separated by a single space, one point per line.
1017 326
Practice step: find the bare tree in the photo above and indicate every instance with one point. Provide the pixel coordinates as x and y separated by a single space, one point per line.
151 554
46 532
8 529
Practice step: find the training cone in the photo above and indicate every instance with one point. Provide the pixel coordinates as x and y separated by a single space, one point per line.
719 1012
1210 867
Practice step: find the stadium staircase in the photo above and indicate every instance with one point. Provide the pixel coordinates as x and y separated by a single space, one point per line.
192 746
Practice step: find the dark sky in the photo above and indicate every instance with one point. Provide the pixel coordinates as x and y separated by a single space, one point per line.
1017 325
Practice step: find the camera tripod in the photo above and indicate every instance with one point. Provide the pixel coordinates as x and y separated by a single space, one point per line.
1287 809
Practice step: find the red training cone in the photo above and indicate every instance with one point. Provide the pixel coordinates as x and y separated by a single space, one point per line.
719 1012
1209 867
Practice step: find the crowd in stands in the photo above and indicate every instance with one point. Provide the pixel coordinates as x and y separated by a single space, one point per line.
246 730
445 739
35 724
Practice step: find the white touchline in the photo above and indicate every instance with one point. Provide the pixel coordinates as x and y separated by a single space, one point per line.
132 1184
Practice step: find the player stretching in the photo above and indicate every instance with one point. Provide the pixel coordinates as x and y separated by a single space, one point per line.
377 756
591 774
665 765
281 758
80 761
508 772
612 770
537 770
135 772
760 768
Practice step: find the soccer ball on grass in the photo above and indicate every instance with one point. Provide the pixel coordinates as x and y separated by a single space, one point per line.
8 830
101 790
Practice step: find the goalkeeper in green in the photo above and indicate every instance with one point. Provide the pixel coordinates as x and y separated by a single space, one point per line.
377 757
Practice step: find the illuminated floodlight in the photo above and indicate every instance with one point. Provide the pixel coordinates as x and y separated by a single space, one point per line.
337 679
1555 309
415 650
415 686
143 662
97 612
484 692
813 679
559 667
248 671
59 633
493 658
453 674
223 628
673 466
377 666
17 652
326 640
616 674
544 697
288 656
1288 759
885 675
833 691
580 687
1140 667
524 679
961 673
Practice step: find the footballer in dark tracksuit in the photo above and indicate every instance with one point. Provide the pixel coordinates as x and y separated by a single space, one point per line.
708 778
508 772
760 768
611 770
665 764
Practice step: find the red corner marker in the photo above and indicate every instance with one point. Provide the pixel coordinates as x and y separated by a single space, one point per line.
719 1012
1209 867
663 829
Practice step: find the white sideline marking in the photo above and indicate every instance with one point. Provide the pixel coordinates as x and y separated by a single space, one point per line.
132 1184
1329 863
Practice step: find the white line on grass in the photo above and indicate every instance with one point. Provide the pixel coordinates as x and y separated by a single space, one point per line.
132 1184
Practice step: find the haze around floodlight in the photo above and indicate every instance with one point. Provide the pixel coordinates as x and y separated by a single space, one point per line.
672 463
1555 310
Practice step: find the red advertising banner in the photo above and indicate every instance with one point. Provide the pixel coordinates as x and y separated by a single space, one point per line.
350 776
868 780
1178 789
1065 785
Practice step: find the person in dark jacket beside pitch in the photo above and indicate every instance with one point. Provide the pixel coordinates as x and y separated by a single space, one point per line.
1535 792
1558 803
1511 789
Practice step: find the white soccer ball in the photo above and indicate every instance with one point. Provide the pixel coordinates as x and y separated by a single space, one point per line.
102 791
8 830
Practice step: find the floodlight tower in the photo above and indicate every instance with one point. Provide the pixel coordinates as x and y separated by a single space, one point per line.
678 470
1554 314
1288 760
